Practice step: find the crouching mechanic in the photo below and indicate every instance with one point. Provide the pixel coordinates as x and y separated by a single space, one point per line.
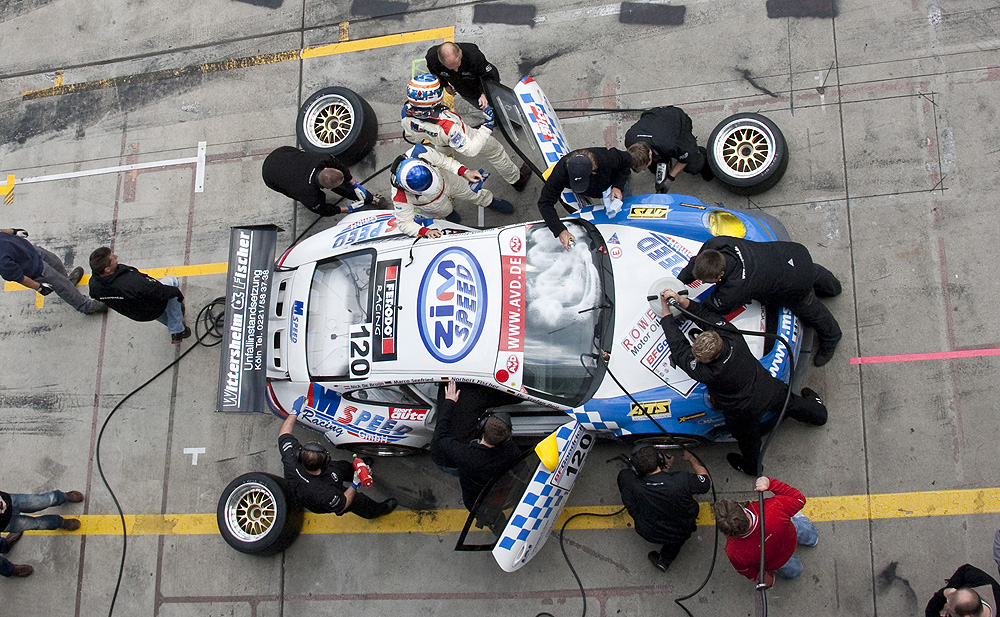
426 182
661 502
318 482
662 135
302 176
425 117
737 382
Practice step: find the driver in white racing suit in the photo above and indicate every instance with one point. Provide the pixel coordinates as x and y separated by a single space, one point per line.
425 117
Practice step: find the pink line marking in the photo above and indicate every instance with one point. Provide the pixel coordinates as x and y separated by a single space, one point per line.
936 355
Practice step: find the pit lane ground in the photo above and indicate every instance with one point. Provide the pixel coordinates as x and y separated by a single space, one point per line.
888 110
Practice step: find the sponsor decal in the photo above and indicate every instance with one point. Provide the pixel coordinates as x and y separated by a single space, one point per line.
297 314
645 340
542 122
656 409
613 239
511 350
451 304
780 351
385 310
366 229
407 415
320 408
670 254
639 212
572 460
616 252
694 206
693 416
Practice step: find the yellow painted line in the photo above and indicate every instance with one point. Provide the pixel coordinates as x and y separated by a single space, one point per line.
345 31
246 62
157 273
39 300
444 522
59 78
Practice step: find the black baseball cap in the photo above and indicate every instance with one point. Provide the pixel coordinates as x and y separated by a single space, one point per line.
579 168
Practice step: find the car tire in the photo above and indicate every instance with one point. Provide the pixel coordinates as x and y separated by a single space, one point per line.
337 121
747 152
257 514
367 448
671 442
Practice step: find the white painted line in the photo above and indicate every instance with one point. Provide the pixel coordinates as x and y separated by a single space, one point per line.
482 217
577 14
194 452
198 160
199 173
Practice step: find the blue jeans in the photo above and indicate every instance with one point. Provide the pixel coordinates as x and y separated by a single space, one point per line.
34 503
808 535
54 273
173 315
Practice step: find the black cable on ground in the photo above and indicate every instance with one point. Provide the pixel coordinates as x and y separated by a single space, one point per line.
212 323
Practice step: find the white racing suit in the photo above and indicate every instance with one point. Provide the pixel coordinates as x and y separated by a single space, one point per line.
446 131
454 186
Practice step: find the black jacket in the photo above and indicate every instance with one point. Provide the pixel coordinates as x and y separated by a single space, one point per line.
613 169
662 504
667 130
466 80
477 464
736 380
967 576
135 295
323 493
292 172
770 272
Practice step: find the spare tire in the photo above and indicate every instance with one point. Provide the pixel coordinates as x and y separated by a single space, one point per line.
337 121
257 514
748 153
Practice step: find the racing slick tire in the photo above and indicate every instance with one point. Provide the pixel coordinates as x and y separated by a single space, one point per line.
747 152
257 514
337 121
671 442
367 448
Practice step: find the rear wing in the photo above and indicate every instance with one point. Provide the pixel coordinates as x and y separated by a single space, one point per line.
243 365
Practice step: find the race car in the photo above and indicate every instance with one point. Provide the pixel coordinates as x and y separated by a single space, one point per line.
364 324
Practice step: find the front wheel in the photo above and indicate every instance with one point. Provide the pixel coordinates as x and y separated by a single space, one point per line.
748 153
367 448
337 121
257 514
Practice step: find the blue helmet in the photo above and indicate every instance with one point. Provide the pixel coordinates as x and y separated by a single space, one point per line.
424 91
417 177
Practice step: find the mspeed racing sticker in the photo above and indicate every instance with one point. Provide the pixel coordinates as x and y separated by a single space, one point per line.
645 340
327 410
365 229
510 355
670 254
451 304
384 311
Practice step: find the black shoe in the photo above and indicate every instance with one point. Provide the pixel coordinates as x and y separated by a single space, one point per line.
501 205
654 558
22 570
388 505
75 275
736 461
810 393
12 539
522 180
454 217
823 355
180 336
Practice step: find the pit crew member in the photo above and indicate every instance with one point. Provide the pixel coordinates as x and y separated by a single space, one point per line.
318 482
425 118
35 268
737 382
461 67
302 176
14 520
776 273
959 598
662 135
588 172
661 502
426 182
784 527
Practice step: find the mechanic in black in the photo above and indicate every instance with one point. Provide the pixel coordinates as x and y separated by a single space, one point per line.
461 67
478 461
663 134
661 502
959 597
588 172
737 382
302 176
778 273
318 482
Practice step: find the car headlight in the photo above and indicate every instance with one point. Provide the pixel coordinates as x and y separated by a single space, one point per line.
722 223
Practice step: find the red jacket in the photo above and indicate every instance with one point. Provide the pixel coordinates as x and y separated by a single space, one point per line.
780 539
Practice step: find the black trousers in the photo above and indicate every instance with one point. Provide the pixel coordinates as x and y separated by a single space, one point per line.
669 552
814 313
366 507
745 426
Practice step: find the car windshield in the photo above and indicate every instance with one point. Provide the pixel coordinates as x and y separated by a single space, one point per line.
565 309
338 301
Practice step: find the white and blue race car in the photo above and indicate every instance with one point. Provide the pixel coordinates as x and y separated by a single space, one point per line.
364 324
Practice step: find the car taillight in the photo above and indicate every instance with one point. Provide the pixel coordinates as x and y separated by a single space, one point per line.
722 223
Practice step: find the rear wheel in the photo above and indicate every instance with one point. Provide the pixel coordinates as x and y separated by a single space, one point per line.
748 153
337 121
257 515
670 442
368 448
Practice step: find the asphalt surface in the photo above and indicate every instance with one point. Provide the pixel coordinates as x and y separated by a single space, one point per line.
888 109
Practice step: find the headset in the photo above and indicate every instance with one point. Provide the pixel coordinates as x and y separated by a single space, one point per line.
503 416
312 446
662 458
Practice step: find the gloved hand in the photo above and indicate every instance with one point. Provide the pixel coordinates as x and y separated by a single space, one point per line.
20 233
488 114
45 289
361 192
354 206
664 187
